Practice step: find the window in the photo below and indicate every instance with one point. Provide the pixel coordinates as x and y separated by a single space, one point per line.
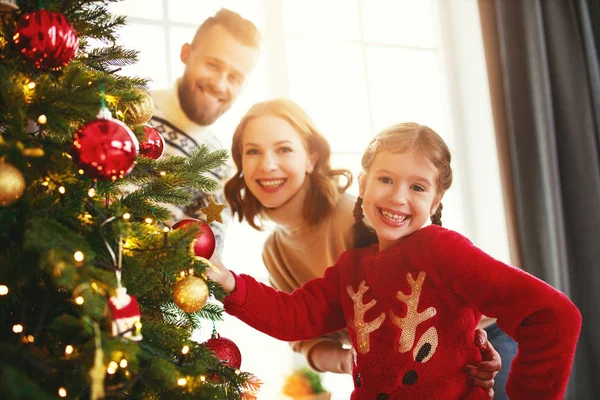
355 67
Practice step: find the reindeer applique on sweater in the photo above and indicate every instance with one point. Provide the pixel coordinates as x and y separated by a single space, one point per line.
411 311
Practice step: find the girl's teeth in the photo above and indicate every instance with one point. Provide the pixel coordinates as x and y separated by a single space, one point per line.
273 183
393 217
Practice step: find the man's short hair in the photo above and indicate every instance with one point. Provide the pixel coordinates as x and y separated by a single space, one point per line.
242 29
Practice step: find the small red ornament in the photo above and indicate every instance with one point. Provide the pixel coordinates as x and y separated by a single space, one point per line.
153 145
46 38
204 243
125 313
225 350
105 148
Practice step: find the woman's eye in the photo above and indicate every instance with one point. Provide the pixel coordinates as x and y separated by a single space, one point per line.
418 188
250 152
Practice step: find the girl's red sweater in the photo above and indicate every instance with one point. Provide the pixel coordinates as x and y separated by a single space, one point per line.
411 311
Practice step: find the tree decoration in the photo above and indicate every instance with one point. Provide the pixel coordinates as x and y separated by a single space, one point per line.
12 184
213 211
46 39
98 370
105 148
304 383
138 112
125 313
225 350
153 145
204 243
190 294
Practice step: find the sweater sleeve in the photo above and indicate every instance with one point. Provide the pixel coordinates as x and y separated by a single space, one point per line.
310 311
543 320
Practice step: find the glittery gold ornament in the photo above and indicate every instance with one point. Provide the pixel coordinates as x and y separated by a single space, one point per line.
190 294
12 184
137 112
213 211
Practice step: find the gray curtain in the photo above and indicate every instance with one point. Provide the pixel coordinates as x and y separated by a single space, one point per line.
547 67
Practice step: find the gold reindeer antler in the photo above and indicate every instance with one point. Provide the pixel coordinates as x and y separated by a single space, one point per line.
358 323
413 318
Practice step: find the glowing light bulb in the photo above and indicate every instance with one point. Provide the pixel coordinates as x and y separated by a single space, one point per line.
3 290
181 381
18 328
68 349
123 363
92 192
62 190
62 392
78 256
42 119
185 349
126 216
79 300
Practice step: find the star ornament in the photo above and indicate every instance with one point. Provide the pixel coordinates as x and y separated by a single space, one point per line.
213 211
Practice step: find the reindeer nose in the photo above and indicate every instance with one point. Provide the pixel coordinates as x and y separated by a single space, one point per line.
410 377
382 396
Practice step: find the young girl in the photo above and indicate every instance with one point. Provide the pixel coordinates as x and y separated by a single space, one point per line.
284 176
412 300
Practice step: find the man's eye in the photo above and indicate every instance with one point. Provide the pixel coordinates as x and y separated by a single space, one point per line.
235 79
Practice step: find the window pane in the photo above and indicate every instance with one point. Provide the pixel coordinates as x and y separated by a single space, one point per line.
399 22
405 85
332 90
177 37
322 18
152 52
150 9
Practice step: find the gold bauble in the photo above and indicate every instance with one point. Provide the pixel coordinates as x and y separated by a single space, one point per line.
137 112
12 184
190 294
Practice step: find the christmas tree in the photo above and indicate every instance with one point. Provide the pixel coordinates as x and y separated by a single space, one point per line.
98 297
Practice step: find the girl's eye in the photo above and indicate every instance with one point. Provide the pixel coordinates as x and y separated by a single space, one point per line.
417 188
385 179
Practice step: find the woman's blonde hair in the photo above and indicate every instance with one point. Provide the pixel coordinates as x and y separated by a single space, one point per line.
321 198
399 139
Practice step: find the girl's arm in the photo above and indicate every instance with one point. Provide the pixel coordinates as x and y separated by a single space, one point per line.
543 320
310 311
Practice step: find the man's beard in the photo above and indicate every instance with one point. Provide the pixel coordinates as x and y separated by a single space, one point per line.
202 117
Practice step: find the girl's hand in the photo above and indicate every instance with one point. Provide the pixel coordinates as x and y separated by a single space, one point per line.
483 374
220 274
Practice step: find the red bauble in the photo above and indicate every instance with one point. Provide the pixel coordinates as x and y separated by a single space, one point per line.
225 350
153 145
46 38
105 148
204 243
